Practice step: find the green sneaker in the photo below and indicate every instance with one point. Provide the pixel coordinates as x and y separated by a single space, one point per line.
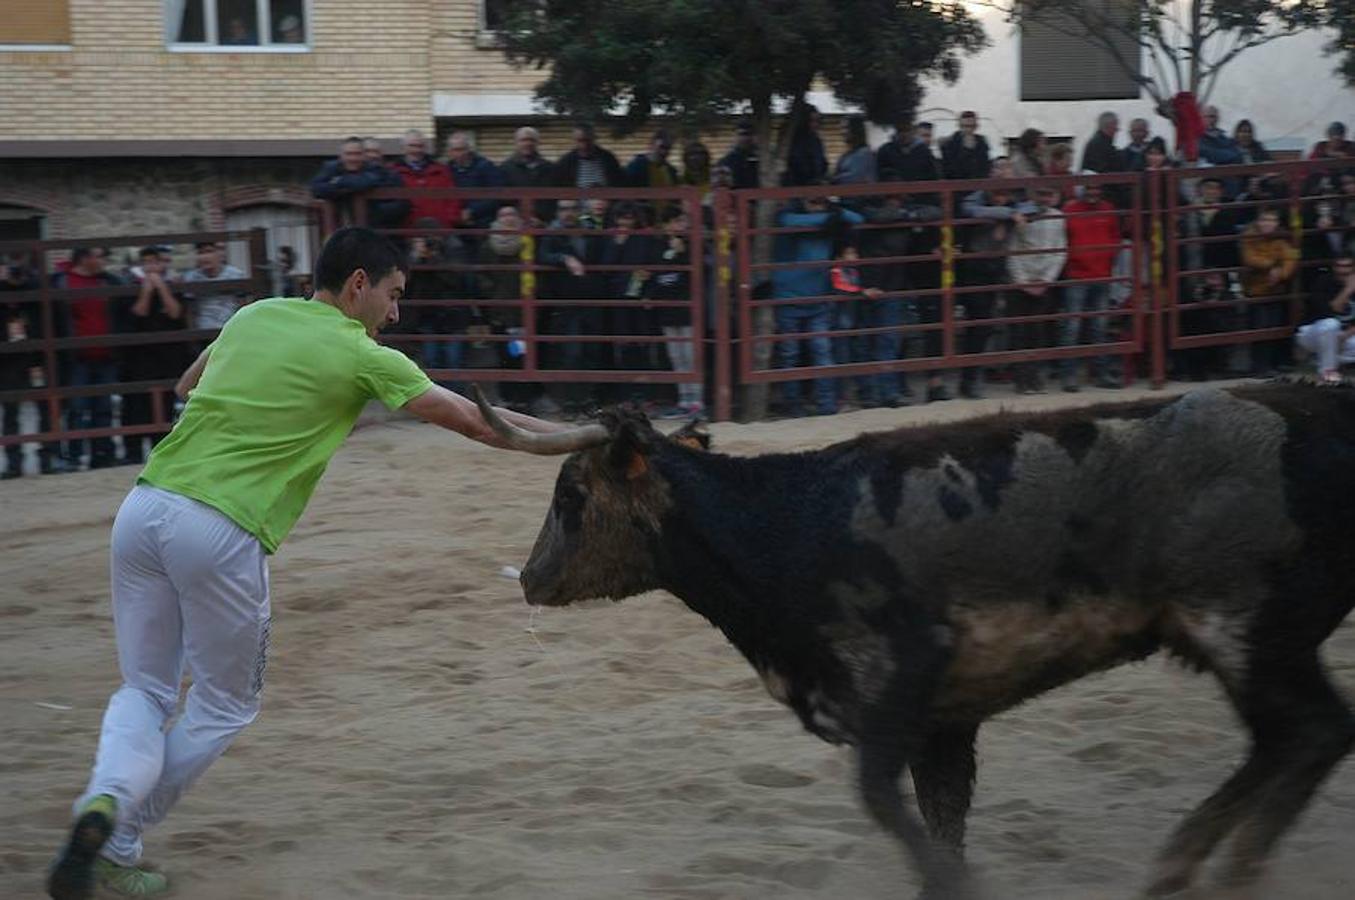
72 875
129 881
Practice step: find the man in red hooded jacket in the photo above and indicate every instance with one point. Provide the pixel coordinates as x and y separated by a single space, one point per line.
1093 228
417 169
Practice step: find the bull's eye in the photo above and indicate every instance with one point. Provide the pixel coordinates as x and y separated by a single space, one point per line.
568 500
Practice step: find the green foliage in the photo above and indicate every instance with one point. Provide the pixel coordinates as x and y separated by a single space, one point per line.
702 58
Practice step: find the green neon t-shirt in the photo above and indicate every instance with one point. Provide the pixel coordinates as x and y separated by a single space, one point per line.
284 384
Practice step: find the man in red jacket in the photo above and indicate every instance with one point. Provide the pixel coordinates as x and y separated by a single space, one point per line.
417 169
1093 240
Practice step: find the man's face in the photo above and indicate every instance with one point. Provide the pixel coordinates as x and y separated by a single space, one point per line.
377 304
1211 117
660 148
152 264
676 226
458 151
746 140
416 149
583 142
1111 126
1092 193
1268 223
508 219
1046 197
925 136
372 152
969 124
93 264
1138 131
568 212
1210 192
209 258
350 154
527 145
1155 158
597 208
1002 168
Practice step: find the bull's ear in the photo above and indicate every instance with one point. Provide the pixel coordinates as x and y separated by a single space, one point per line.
632 442
691 435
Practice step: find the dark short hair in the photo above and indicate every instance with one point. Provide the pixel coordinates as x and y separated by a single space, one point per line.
80 254
968 114
205 245
351 139
670 213
926 125
148 251
1217 181
350 249
1157 144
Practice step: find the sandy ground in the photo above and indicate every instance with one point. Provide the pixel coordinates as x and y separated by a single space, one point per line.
418 740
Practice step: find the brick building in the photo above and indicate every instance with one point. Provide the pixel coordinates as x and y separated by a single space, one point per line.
126 116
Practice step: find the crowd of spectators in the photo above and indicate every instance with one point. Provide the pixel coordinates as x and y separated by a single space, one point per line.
144 294
1250 252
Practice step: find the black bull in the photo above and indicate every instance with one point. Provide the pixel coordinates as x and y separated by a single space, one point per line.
897 589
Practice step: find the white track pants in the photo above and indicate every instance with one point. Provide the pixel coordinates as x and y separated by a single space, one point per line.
189 586
1323 338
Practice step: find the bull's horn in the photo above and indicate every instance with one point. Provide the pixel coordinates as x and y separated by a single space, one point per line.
547 444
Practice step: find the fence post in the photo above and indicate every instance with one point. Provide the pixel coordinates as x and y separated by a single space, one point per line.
1157 349
527 287
947 276
259 269
722 389
52 374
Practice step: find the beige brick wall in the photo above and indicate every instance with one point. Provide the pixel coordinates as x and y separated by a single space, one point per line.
459 66
368 74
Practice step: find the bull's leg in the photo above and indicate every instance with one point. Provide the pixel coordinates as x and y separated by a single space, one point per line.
880 768
943 776
1300 730
1320 732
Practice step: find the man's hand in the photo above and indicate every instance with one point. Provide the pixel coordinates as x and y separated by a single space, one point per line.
1035 290
574 266
1020 220
873 293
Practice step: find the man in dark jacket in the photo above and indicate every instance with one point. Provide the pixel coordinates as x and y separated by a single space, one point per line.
908 157
1100 155
588 165
653 169
1136 151
471 170
965 153
528 168
742 159
23 371
808 161
339 180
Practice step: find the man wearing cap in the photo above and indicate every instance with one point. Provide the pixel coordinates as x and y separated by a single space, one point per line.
1335 146
269 403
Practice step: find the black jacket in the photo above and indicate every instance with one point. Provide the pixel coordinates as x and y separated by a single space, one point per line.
914 162
336 184
959 161
744 166
1100 155
567 169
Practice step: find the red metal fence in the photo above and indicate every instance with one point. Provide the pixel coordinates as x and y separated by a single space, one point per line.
947 289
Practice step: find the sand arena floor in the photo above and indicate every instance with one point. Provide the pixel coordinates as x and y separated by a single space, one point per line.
417 740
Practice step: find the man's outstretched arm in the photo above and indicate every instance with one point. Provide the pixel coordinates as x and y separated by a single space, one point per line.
457 413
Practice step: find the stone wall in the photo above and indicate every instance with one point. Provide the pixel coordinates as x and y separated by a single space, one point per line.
94 198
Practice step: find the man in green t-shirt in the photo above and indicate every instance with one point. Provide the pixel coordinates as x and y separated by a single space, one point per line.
269 402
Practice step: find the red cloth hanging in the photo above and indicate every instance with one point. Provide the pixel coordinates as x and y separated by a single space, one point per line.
1189 125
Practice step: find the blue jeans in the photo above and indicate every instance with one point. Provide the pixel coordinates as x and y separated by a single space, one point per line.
803 320
883 387
91 412
1084 298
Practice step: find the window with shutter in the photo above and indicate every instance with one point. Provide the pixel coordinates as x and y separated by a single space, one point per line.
1058 64
36 22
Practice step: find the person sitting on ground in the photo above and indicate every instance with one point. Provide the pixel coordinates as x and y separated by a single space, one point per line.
1329 328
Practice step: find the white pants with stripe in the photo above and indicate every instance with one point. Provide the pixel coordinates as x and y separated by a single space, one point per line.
189 587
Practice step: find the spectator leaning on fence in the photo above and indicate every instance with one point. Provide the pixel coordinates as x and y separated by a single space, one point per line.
23 371
208 308
340 180
672 281
1044 231
908 156
742 159
471 170
965 153
815 316
434 274
629 248
1328 331
1093 230
991 235
1269 262
156 308
416 169
588 164
89 316
571 255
